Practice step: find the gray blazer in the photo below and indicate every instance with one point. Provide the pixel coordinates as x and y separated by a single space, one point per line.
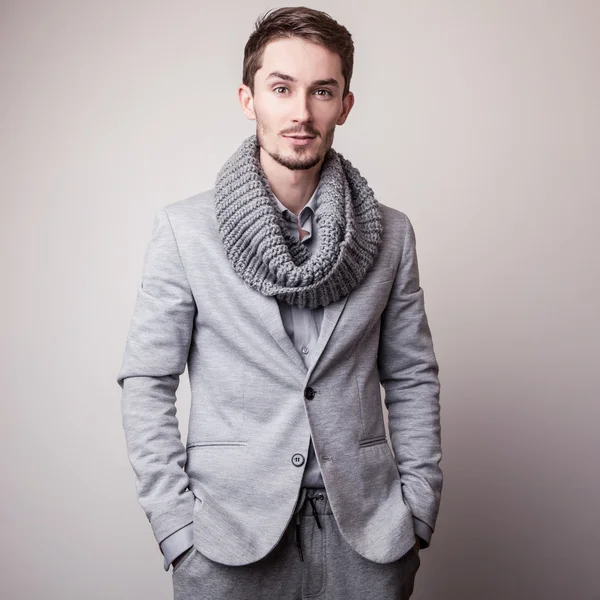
255 405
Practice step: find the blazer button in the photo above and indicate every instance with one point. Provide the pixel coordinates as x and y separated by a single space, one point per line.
309 393
298 460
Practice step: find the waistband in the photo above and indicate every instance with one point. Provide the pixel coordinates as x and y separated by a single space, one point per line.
311 500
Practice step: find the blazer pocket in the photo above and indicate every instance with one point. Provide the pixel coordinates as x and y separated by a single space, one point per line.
375 441
215 443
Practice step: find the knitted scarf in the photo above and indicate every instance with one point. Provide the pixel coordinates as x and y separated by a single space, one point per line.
269 258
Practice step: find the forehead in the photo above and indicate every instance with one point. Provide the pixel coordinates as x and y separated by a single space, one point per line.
304 60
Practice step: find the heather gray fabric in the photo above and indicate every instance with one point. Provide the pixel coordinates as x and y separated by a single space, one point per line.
277 264
331 569
255 404
302 323
302 326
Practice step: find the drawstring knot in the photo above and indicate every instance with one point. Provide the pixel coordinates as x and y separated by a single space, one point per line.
303 498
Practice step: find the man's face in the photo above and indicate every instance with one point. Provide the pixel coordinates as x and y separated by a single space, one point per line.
297 102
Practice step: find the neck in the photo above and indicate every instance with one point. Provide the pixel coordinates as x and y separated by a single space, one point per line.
293 188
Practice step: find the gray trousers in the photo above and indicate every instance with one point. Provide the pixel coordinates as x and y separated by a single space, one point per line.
311 561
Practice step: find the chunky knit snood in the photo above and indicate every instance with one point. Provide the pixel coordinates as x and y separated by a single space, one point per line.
267 256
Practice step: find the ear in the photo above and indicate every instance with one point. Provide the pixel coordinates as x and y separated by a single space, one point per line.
347 104
246 101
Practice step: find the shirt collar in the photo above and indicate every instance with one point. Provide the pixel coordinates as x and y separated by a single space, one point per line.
312 204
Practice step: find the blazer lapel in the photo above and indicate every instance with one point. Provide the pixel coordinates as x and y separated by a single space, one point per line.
271 316
331 316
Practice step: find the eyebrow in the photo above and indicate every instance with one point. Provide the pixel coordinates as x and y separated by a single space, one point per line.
284 77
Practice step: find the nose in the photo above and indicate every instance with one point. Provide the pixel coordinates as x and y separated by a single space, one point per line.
302 113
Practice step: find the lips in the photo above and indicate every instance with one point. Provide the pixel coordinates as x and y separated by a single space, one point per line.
300 140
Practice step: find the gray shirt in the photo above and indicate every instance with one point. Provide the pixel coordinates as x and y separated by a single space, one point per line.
303 326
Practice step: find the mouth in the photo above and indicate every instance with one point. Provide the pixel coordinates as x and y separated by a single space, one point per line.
300 140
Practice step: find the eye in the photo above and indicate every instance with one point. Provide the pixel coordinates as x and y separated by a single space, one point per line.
279 87
327 92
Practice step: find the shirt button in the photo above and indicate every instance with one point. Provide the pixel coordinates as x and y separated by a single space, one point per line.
304 350
298 460
309 393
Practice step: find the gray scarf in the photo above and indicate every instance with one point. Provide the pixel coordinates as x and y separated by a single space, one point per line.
269 258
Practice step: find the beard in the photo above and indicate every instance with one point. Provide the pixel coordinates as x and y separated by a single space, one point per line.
302 159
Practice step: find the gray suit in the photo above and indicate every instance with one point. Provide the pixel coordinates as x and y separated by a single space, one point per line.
255 403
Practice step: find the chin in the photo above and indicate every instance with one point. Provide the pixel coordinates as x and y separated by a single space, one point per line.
297 161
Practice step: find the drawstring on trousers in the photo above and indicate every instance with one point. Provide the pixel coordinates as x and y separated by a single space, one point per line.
303 499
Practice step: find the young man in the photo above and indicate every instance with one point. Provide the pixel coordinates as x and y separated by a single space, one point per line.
290 292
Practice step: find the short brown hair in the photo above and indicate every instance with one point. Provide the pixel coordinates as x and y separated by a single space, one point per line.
302 22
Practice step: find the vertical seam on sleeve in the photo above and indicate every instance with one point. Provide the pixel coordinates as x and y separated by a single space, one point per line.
177 247
406 234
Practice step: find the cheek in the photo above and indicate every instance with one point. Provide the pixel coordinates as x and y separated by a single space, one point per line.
271 116
327 127
327 116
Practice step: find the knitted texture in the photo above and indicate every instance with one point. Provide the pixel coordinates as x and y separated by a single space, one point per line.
269 258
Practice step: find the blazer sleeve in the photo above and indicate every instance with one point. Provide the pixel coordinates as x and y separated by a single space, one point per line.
156 352
408 371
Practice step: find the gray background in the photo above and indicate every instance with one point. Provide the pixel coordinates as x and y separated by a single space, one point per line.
479 119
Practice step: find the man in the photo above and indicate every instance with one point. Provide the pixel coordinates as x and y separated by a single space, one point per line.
290 292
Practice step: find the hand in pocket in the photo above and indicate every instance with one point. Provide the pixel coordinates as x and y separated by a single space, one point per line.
182 557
